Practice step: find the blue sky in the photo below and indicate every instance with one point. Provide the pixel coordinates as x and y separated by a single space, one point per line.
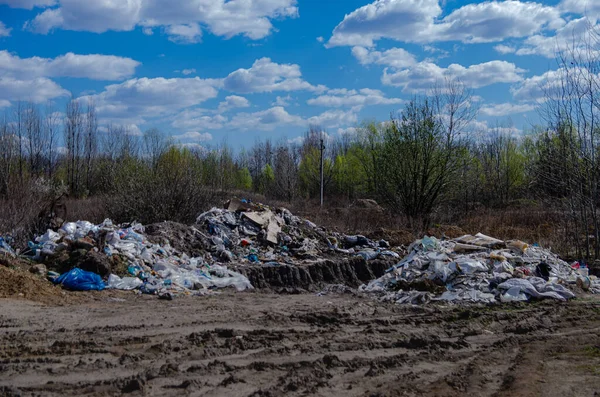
208 70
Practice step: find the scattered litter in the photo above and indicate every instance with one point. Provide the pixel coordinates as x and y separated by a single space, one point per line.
478 269
5 248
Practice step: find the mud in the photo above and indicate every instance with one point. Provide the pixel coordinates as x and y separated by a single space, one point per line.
261 344
315 276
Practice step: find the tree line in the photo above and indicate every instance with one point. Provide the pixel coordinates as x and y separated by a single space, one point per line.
426 157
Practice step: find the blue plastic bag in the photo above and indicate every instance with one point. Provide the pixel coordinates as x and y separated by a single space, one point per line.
81 280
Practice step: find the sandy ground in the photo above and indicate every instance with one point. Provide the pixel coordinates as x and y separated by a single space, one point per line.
259 344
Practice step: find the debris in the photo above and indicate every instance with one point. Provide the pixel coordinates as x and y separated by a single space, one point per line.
39 269
5 248
478 269
80 280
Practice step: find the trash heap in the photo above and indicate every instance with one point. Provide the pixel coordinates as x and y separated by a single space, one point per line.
248 233
479 269
152 268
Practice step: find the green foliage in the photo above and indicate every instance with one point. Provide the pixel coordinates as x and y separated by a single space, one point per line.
243 179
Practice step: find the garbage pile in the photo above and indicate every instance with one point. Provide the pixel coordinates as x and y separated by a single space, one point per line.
249 233
480 269
152 268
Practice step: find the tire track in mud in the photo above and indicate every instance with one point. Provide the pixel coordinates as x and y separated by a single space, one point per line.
256 344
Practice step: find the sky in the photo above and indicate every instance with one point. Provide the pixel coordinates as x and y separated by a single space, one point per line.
209 71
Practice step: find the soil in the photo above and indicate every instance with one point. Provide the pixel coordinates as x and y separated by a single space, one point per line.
266 344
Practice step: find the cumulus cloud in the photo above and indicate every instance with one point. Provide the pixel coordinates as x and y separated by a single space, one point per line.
4 31
36 90
187 72
182 19
573 34
334 118
535 88
505 49
282 101
265 120
588 7
351 98
195 136
146 97
505 109
95 66
423 76
395 57
419 21
198 119
267 76
232 102
187 33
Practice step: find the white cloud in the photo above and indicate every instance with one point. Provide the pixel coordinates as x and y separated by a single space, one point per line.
132 129
195 136
28 4
334 118
418 21
232 102
4 103
187 72
180 18
198 119
587 7
364 97
320 39
185 34
144 97
265 120
267 76
4 31
505 109
505 49
423 76
36 90
282 101
494 21
573 34
535 88
400 19
95 66
395 57
299 140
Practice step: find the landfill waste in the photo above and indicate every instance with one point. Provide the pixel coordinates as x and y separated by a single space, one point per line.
479 269
240 233
153 268
5 248
250 233
80 280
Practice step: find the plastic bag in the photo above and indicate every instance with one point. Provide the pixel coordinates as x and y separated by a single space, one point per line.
81 280
513 294
125 283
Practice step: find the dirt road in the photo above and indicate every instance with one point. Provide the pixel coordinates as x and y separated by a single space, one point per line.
258 344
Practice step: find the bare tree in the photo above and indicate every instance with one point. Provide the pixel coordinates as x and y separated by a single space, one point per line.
51 127
34 140
90 142
74 144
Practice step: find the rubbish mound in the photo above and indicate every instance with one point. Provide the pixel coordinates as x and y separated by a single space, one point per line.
249 233
151 268
479 269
